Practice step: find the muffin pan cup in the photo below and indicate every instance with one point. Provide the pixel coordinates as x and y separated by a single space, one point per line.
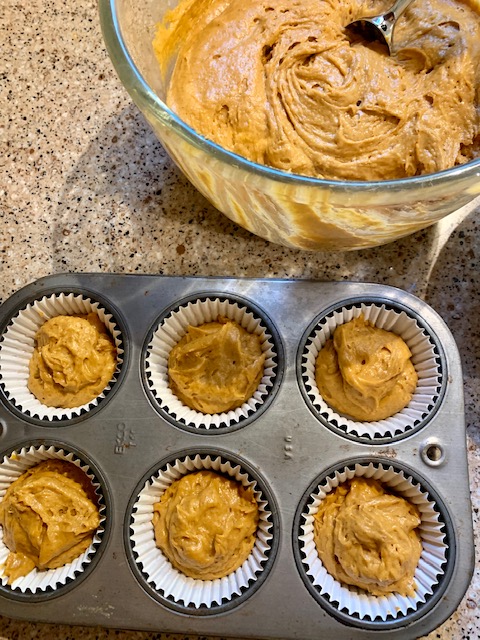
43 584
18 343
287 443
172 586
173 326
426 358
437 545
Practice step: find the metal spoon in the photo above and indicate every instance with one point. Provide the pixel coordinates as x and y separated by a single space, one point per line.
381 27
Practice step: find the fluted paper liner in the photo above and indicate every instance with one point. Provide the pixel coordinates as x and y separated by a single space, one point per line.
173 328
424 359
155 566
360 603
18 342
11 468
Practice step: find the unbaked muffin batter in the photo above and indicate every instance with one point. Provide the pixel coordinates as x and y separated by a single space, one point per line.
367 537
49 516
73 361
205 523
282 83
365 372
216 366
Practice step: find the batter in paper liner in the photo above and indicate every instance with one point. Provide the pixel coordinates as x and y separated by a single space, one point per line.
283 84
368 538
365 372
216 366
49 516
73 361
205 523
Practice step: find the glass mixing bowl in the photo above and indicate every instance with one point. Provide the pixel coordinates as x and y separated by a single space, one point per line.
292 210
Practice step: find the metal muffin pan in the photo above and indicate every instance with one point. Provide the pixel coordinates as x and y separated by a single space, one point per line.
285 444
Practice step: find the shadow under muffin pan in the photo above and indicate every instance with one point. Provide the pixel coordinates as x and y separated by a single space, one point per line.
286 442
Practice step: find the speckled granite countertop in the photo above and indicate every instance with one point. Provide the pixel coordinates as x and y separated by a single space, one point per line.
85 186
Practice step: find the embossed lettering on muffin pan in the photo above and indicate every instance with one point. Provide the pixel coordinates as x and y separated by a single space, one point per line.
287 442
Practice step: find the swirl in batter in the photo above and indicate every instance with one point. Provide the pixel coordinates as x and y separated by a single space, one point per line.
283 84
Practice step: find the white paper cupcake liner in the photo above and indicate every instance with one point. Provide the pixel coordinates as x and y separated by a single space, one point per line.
173 328
425 359
157 569
18 342
11 468
432 561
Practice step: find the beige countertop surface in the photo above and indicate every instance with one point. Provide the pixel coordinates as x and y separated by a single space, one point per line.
85 186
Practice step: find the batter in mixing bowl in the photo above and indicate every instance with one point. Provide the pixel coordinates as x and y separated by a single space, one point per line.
282 83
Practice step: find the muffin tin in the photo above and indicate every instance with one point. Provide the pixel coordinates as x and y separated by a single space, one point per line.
288 445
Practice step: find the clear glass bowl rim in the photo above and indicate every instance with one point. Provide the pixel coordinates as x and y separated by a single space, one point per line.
147 100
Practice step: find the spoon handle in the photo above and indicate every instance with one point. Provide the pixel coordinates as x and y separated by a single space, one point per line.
399 7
